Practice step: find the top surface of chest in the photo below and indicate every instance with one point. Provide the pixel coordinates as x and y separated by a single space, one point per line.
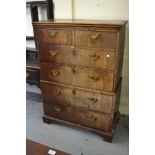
115 24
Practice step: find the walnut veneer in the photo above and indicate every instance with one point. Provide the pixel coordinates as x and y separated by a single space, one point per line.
81 64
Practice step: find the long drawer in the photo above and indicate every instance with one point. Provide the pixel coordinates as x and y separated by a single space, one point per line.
84 98
104 59
77 115
83 77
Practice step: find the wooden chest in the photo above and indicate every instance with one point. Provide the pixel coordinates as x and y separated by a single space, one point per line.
81 64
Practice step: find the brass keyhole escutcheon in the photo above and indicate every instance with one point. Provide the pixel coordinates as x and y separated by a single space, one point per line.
73 69
74 51
74 92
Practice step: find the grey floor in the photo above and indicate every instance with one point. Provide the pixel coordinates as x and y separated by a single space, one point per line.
68 139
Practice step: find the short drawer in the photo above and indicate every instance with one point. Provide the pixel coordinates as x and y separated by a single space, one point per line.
83 77
77 115
84 98
104 59
95 39
54 36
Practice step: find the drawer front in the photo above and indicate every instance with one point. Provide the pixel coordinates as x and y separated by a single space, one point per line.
95 39
69 95
54 36
80 57
93 79
32 74
77 115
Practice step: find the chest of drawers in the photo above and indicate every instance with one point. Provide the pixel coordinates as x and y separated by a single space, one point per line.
81 65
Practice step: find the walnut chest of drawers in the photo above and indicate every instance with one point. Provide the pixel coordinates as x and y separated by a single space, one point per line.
81 65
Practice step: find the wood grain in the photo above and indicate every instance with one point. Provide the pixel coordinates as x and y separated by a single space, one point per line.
106 135
34 148
75 96
103 59
105 40
119 54
81 77
69 23
61 37
77 115
81 68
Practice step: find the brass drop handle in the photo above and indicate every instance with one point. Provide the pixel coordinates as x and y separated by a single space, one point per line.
55 72
92 99
92 119
56 92
53 52
57 109
52 33
94 35
92 78
73 69
93 56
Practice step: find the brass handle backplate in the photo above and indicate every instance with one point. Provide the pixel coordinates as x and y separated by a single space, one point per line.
94 35
56 92
92 99
94 57
57 109
92 119
55 72
92 78
52 33
53 52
